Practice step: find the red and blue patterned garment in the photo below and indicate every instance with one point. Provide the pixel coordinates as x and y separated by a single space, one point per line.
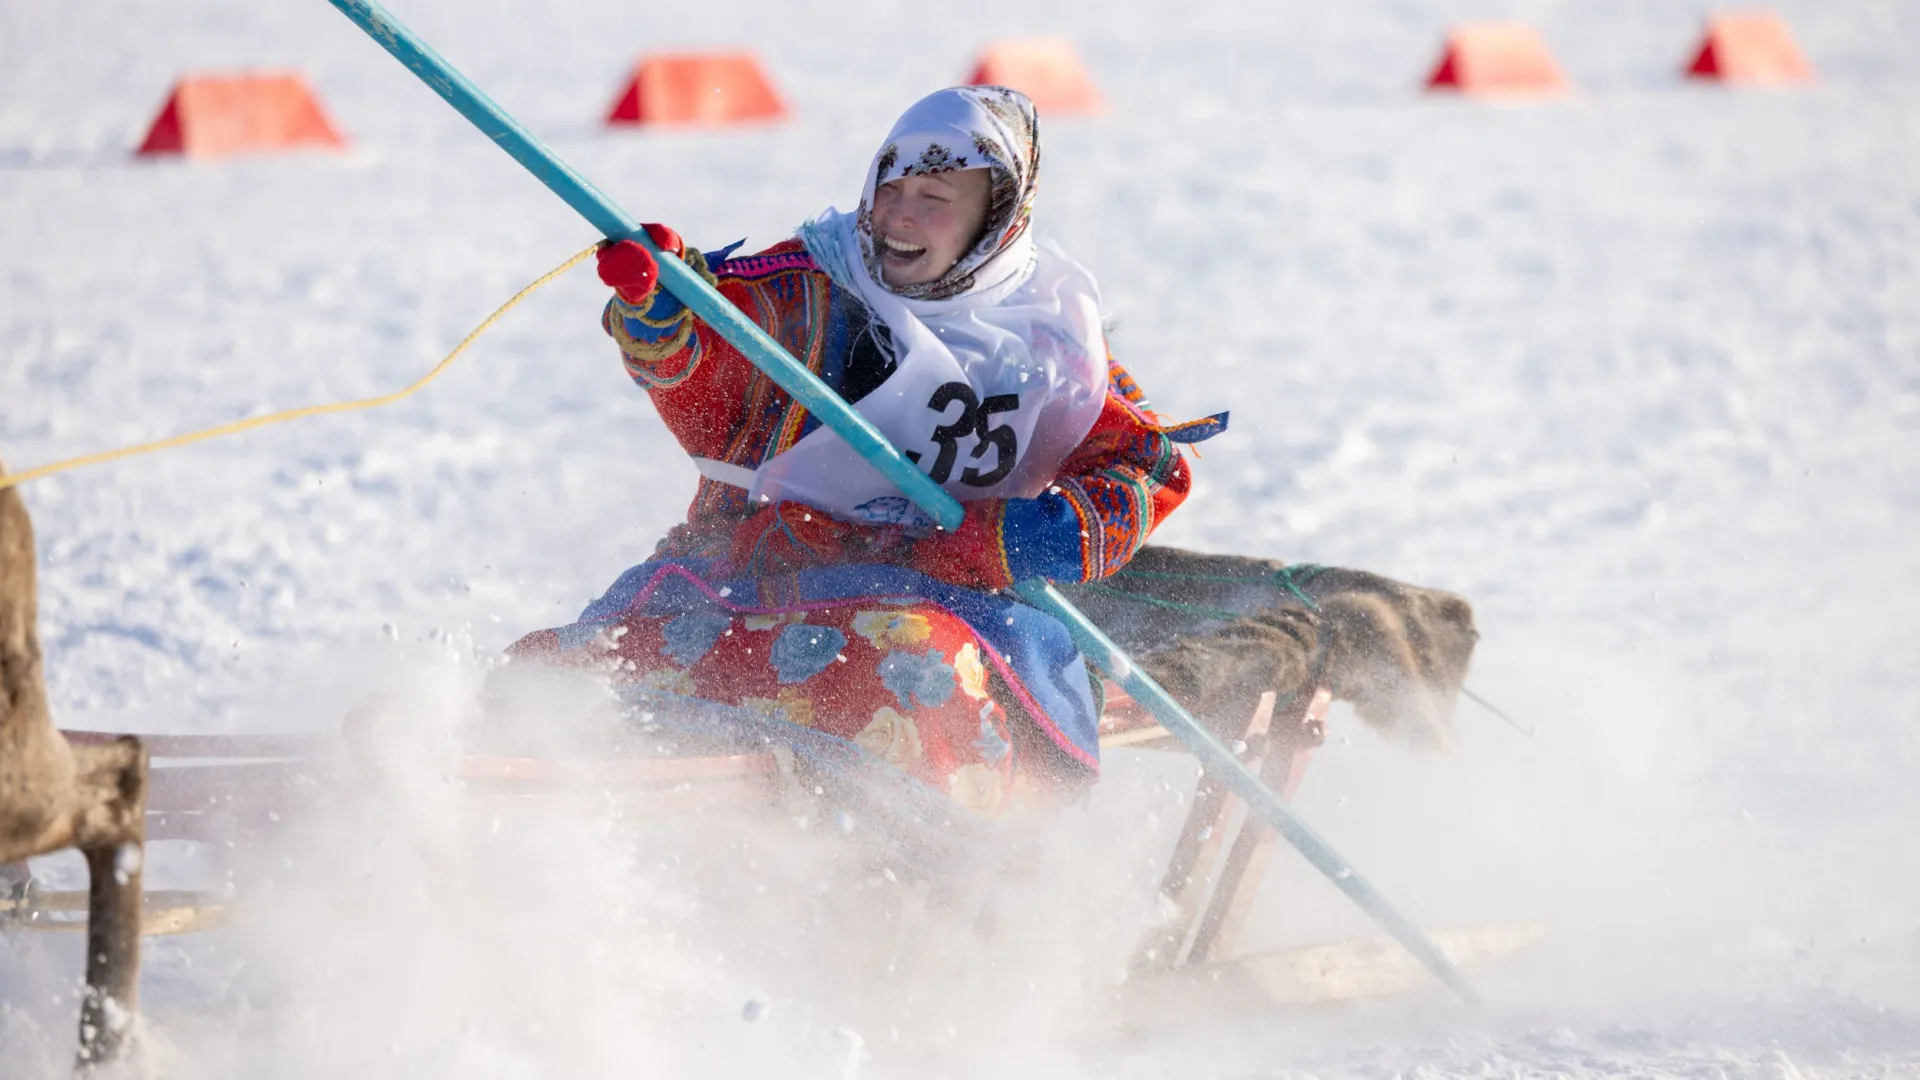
903 642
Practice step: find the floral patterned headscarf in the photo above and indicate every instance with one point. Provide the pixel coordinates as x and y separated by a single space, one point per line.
1014 321
965 127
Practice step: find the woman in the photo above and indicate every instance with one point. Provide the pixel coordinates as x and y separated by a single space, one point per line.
803 585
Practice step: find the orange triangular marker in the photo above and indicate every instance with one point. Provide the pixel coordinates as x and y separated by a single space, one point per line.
1497 59
1749 48
213 115
698 88
1047 70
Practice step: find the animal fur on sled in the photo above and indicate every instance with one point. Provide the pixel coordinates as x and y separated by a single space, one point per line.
54 795
1218 630
51 795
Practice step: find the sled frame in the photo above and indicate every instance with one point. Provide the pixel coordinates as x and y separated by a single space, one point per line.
1221 857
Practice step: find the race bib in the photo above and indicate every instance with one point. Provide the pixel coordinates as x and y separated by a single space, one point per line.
987 399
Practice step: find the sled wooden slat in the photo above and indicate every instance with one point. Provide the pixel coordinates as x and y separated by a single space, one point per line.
216 803
1290 747
238 787
1121 716
240 784
1367 967
1349 970
1189 876
498 773
216 746
76 900
189 825
1212 884
1146 738
164 911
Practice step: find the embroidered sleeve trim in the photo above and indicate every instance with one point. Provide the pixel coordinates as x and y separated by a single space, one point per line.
999 512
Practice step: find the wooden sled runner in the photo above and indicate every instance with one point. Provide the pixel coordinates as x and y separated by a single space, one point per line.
1220 861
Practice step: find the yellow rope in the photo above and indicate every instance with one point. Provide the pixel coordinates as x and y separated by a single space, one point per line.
8 480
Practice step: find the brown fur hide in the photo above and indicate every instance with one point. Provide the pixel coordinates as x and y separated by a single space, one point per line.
54 796
1218 630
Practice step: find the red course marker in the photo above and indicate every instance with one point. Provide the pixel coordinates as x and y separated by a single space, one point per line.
1047 70
697 89
216 115
1755 47
1497 59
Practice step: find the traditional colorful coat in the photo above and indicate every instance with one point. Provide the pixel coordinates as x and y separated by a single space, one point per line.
903 642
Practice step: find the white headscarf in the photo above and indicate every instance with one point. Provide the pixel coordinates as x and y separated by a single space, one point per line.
966 127
1015 324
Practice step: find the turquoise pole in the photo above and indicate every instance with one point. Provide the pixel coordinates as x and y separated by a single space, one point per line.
819 399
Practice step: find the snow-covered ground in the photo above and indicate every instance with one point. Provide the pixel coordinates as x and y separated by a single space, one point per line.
1638 372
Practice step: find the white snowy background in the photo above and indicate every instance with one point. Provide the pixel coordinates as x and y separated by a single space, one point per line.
1636 371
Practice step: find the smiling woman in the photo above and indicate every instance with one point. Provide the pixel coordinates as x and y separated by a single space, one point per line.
923 224
803 585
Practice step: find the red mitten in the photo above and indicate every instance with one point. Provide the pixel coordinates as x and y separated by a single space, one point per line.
630 270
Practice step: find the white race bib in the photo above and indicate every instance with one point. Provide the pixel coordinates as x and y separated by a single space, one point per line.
988 400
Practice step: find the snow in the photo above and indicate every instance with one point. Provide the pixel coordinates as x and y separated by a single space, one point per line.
1637 372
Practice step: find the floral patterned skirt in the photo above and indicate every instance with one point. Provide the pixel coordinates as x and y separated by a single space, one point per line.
905 679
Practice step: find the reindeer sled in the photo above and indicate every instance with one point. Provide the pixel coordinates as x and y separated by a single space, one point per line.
1259 650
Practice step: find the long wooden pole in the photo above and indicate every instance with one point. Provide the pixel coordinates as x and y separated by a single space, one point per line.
819 399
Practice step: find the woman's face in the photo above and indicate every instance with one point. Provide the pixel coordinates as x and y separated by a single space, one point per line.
923 224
